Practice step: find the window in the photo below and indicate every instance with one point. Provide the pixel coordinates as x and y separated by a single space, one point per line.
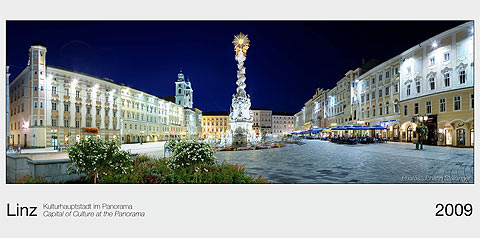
387 74
54 90
363 98
428 107
415 108
89 95
54 122
77 124
405 110
409 70
380 77
368 113
446 56
380 112
368 97
462 77
446 79
374 112
98 111
77 94
41 122
432 61
373 81
89 123
98 124
443 104
417 86
35 123
67 91
65 123
387 91
77 108
472 102
54 106
396 70
408 90
65 107
457 102
41 105
22 107
380 93
36 104
88 110
386 110
396 88
396 108
431 80
373 95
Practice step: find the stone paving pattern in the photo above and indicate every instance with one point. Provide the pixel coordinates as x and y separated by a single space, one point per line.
325 162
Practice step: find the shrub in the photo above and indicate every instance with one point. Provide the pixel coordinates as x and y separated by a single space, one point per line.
190 153
95 158
158 171
29 179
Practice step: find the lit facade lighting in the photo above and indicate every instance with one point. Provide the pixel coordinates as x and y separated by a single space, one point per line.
434 44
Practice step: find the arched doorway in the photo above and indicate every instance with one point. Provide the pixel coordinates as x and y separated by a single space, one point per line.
409 133
460 137
128 139
396 132
472 137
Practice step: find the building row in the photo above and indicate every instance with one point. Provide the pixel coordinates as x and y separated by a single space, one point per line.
53 106
430 83
265 123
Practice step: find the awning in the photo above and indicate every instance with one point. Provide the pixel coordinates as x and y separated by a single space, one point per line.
378 127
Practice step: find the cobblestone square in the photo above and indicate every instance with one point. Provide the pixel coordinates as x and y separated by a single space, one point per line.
388 163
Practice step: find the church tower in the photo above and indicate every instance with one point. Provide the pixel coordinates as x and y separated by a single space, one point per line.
188 94
183 91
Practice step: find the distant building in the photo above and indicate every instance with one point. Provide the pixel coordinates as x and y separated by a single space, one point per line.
283 123
316 109
262 121
300 120
215 123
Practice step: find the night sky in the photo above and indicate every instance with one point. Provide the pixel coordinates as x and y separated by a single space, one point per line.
286 61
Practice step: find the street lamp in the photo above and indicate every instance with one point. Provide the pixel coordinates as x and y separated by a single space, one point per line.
54 138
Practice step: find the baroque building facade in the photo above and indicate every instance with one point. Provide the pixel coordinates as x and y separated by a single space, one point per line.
436 82
53 106
283 123
215 124
262 122
430 83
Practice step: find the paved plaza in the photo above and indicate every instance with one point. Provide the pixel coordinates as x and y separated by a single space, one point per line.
325 162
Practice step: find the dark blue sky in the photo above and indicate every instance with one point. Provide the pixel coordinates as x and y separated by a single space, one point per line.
286 61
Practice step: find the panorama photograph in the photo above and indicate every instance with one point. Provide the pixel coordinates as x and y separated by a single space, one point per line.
239 102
